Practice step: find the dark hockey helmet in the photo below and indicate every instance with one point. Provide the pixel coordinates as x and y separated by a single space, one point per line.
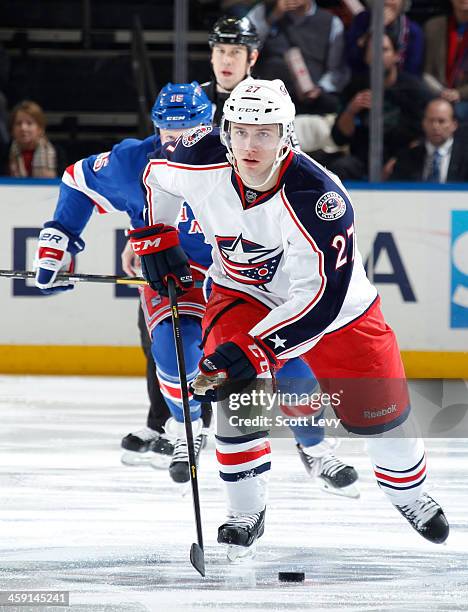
234 31
181 106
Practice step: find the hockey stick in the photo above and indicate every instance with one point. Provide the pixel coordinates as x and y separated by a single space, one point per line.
197 555
85 278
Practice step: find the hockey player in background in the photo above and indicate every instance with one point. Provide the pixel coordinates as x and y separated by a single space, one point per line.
288 281
234 45
110 182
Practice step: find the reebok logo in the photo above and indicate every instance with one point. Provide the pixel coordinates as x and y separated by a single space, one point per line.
375 414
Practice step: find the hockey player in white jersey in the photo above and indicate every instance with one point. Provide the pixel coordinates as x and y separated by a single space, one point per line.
110 182
288 281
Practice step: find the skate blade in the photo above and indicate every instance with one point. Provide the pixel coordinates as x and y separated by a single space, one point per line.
133 458
241 554
351 491
160 462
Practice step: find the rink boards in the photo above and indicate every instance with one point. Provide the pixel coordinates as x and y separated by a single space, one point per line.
414 243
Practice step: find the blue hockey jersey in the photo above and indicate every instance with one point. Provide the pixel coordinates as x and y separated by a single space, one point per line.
111 182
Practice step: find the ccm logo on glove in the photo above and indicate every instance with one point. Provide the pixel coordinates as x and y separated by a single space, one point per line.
161 256
146 246
262 363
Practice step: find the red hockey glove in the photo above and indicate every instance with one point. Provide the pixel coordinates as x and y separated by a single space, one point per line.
240 360
161 256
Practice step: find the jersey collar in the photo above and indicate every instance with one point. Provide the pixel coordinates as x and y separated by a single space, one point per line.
250 197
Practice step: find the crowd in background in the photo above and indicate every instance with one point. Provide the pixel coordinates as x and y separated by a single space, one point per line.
425 108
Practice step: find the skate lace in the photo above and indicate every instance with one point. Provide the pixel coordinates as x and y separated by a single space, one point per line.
181 450
244 520
421 511
331 465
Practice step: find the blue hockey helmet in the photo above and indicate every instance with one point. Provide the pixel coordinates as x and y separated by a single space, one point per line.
181 106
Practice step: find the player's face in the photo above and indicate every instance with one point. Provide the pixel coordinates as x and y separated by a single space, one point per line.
170 135
439 123
26 130
230 64
255 148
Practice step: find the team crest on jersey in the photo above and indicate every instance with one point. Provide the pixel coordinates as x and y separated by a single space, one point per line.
248 262
193 136
330 206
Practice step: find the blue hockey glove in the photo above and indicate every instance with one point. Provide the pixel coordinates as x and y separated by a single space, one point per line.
161 256
55 253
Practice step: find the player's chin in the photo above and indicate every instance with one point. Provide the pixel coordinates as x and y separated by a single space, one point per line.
253 167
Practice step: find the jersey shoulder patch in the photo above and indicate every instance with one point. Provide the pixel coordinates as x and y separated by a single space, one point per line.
191 137
330 206
315 192
200 146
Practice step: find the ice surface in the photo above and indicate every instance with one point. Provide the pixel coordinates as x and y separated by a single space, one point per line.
118 538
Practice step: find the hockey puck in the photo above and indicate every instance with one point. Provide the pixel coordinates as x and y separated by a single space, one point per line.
291 576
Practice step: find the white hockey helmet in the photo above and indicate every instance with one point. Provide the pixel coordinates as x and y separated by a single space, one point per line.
260 102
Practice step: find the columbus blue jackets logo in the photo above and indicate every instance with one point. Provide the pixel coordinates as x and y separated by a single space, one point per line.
247 262
330 206
191 137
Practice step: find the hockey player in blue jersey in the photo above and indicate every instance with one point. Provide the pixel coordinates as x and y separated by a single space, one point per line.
110 182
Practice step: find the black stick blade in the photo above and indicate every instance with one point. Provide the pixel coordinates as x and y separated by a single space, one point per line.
197 558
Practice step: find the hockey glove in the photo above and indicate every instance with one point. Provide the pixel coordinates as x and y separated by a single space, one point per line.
239 361
55 253
161 256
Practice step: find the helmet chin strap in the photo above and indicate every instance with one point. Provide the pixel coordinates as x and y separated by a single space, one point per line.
283 146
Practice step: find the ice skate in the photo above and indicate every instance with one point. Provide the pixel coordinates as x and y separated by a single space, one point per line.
334 476
241 532
179 467
427 517
146 446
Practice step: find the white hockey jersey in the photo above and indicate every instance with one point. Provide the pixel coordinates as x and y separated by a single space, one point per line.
292 248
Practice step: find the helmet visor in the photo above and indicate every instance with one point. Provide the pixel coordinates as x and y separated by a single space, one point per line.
245 137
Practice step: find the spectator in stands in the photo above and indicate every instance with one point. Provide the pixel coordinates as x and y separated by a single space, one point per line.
407 33
442 155
405 97
320 37
31 153
236 8
4 75
446 61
